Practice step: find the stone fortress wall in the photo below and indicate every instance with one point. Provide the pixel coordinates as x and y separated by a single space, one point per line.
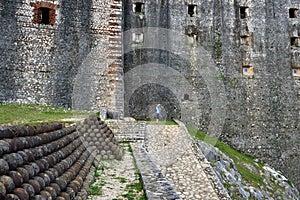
233 70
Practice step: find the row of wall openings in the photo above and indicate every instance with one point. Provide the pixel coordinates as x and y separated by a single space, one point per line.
138 7
244 12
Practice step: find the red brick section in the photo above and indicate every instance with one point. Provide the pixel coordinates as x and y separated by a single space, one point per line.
37 12
115 71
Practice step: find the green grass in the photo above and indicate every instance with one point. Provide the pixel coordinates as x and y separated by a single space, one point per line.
239 158
30 114
95 189
162 122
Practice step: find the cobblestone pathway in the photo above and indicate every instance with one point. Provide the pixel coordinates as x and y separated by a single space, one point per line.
117 180
170 148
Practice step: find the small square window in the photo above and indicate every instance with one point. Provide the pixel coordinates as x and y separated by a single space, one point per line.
138 7
192 10
248 71
45 15
294 41
244 12
293 12
137 37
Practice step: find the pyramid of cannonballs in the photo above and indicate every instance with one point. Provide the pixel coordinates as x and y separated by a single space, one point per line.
99 135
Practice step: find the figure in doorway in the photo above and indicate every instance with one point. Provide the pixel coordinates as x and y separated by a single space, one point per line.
158 112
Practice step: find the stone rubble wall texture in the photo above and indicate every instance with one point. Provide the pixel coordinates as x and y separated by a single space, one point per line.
77 62
101 137
44 162
77 57
262 110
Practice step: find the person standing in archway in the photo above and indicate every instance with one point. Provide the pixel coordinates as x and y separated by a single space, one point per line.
158 112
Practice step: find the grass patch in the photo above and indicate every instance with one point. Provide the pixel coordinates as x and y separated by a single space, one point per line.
239 158
95 189
162 122
31 114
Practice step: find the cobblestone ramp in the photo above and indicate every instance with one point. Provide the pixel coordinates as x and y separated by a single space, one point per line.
44 162
171 148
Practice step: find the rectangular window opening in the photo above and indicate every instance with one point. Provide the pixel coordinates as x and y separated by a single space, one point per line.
244 12
246 40
294 41
293 12
45 15
295 72
138 7
137 37
192 10
248 70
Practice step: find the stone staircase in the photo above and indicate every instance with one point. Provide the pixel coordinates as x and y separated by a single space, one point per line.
128 130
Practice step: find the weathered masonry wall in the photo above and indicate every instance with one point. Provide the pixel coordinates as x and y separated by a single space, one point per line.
44 162
254 48
60 52
258 51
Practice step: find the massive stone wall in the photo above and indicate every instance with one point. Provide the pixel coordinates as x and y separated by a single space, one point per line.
229 60
64 53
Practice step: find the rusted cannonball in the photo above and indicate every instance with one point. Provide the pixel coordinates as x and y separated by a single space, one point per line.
2 190
8 183
24 173
21 193
30 156
14 160
35 168
79 180
4 167
60 198
4 147
46 178
35 184
46 195
24 155
17 144
45 162
30 170
71 192
29 189
51 175
54 171
17 178
60 168
40 165
61 182
56 187
51 191
65 195
12 197
74 186
40 181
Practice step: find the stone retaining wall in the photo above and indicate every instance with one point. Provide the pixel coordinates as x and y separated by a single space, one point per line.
44 162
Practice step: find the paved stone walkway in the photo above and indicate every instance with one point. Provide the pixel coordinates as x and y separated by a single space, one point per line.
116 178
170 148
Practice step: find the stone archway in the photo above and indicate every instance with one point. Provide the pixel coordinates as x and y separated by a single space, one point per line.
143 100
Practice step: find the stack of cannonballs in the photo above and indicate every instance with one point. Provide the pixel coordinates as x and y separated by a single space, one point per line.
44 162
99 135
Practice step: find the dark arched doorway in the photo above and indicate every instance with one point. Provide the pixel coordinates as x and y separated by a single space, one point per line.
143 100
